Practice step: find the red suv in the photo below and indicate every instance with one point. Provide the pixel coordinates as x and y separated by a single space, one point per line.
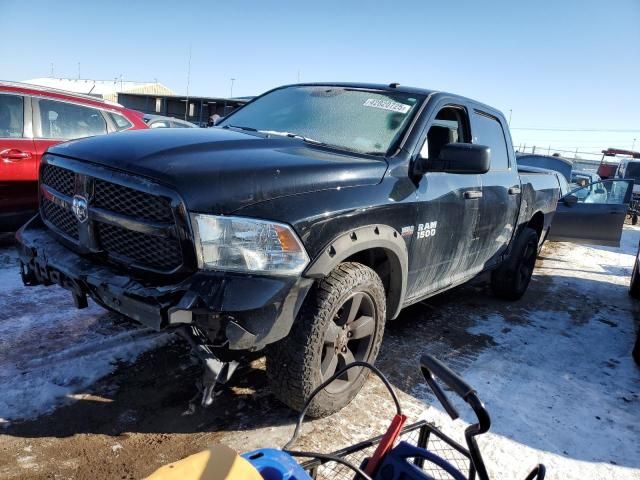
33 118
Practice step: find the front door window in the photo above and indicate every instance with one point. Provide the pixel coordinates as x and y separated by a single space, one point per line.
610 192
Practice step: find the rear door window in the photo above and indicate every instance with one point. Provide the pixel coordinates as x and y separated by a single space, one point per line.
488 131
120 122
11 116
62 120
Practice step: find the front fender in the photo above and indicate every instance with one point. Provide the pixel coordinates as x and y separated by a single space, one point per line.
362 239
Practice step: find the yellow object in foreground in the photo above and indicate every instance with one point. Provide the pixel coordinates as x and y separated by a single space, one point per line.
218 463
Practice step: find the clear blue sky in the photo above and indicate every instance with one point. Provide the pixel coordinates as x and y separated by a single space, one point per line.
564 64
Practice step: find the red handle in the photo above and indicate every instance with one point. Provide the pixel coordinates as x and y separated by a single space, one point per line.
14 154
386 444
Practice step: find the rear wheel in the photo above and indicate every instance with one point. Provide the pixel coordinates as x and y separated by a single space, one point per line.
511 279
341 321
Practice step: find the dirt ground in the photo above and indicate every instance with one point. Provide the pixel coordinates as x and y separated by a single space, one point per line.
553 368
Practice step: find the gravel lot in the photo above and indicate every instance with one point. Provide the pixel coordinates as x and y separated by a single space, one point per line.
86 395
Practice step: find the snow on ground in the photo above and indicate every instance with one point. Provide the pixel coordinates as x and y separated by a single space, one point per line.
554 370
49 352
550 398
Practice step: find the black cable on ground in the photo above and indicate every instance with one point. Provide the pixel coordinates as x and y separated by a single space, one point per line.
336 375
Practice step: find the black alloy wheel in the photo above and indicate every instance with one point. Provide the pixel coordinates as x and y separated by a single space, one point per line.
348 339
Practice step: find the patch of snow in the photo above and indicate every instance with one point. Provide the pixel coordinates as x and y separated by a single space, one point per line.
27 462
50 351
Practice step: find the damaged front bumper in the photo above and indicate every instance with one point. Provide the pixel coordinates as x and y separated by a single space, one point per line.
236 311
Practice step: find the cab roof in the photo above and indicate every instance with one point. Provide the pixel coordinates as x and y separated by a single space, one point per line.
391 87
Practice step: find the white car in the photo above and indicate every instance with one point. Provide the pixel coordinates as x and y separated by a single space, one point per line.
158 121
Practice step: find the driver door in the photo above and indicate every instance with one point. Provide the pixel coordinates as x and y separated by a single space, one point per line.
593 214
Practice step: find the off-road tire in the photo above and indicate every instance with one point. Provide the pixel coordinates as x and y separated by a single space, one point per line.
511 279
294 363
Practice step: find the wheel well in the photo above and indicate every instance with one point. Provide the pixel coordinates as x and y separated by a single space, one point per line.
537 223
379 260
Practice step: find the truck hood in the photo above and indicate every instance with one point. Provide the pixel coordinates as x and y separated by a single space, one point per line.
220 171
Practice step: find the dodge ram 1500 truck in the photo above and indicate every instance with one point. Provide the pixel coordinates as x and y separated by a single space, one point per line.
301 223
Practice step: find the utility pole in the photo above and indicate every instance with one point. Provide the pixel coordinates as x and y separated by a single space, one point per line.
186 103
633 145
52 74
510 112
298 76
78 70
231 94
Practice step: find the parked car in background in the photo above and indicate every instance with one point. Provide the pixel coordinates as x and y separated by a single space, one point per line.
558 164
160 121
634 286
590 180
563 184
581 178
32 119
634 291
593 214
630 168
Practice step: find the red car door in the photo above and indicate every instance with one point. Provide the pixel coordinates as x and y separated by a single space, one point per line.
18 162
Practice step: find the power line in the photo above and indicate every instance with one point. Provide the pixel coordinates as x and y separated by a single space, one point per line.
547 149
576 129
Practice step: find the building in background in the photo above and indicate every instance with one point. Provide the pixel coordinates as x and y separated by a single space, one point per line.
196 110
105 89
148 97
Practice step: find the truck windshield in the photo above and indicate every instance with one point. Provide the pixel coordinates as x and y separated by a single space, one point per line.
633 171
363 121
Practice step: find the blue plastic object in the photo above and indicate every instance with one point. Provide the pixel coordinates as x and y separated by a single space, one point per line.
396 465
276 465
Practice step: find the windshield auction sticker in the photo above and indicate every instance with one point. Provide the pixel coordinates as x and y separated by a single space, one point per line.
387 105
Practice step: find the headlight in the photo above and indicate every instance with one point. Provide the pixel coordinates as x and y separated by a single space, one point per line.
247 245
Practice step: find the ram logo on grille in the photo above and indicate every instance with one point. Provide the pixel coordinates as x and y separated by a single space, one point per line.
80 208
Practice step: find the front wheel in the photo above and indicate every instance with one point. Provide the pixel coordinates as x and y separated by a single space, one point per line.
341 321
511 279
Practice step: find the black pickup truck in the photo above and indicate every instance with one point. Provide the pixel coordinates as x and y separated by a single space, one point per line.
301 223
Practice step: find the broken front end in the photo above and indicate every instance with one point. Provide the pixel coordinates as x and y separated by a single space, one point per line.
130 246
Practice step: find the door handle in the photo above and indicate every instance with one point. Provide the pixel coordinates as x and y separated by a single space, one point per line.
514 190
12 154
469 194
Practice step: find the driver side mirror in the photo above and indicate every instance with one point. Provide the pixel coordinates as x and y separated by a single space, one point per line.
465 158
570 200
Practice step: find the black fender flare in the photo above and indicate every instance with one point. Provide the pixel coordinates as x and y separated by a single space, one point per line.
366 238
